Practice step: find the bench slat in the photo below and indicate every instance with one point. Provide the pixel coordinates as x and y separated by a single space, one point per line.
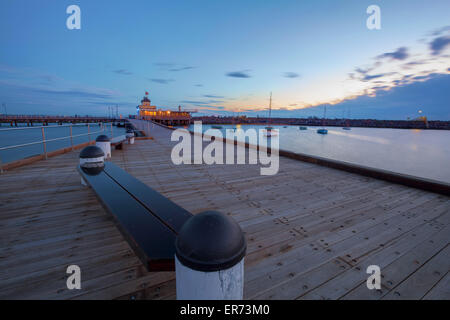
152 241
118 139
166 210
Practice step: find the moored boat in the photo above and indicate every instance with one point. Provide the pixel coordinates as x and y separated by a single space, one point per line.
323 130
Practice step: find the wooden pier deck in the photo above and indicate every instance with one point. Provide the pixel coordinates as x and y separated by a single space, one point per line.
311 230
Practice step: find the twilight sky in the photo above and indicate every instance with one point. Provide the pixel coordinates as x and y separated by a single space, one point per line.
224 57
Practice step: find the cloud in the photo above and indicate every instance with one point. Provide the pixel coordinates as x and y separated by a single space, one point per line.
368 77
181 69
49 78
402 101
400 54
440 31
439 44
421 77
411 64
123 72
80 92
362 71
164 64
193 102
210 107
213 96
197 102
238 74
162 81
291 75
173 67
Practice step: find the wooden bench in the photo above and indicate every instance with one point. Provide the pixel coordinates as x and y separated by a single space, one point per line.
149 221
118 142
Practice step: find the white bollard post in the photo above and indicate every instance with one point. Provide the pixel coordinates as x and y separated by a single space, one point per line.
130 136
104 143
91 161
209 260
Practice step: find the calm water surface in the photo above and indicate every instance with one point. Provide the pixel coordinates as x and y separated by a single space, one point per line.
15 137
422 153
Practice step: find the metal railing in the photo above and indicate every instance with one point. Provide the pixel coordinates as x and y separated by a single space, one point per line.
44 141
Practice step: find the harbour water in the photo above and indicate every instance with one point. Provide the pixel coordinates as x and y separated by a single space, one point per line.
421 153
10 136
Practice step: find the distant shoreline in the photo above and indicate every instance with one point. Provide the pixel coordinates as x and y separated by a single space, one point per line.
362 123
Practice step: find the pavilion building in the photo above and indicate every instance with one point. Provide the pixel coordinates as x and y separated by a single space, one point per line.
167 117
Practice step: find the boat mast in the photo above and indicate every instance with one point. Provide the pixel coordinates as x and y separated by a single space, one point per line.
324 115
270 107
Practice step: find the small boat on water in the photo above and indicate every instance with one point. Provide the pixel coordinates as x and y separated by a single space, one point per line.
303 128
323 130
284 126
216 127
270 133
346 128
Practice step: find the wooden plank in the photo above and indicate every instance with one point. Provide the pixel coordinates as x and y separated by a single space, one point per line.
424 279
441 291
399 261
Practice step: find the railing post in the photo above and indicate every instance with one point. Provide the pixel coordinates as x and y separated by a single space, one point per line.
112 136
71 138
1 165
89 132
43 142
209 258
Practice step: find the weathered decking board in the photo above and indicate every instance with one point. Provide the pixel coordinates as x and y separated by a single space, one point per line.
311 230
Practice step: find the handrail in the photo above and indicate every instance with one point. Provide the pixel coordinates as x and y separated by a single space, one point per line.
44 140
49 140
39 127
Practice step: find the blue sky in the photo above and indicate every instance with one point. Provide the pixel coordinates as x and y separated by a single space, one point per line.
224 57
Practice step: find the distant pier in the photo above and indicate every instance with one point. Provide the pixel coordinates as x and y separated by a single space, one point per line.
14 120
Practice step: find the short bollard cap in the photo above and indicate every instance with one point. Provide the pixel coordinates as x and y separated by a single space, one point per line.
210 241
91 160
91 152
102 138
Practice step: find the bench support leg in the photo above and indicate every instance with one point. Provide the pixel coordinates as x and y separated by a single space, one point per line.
225 284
